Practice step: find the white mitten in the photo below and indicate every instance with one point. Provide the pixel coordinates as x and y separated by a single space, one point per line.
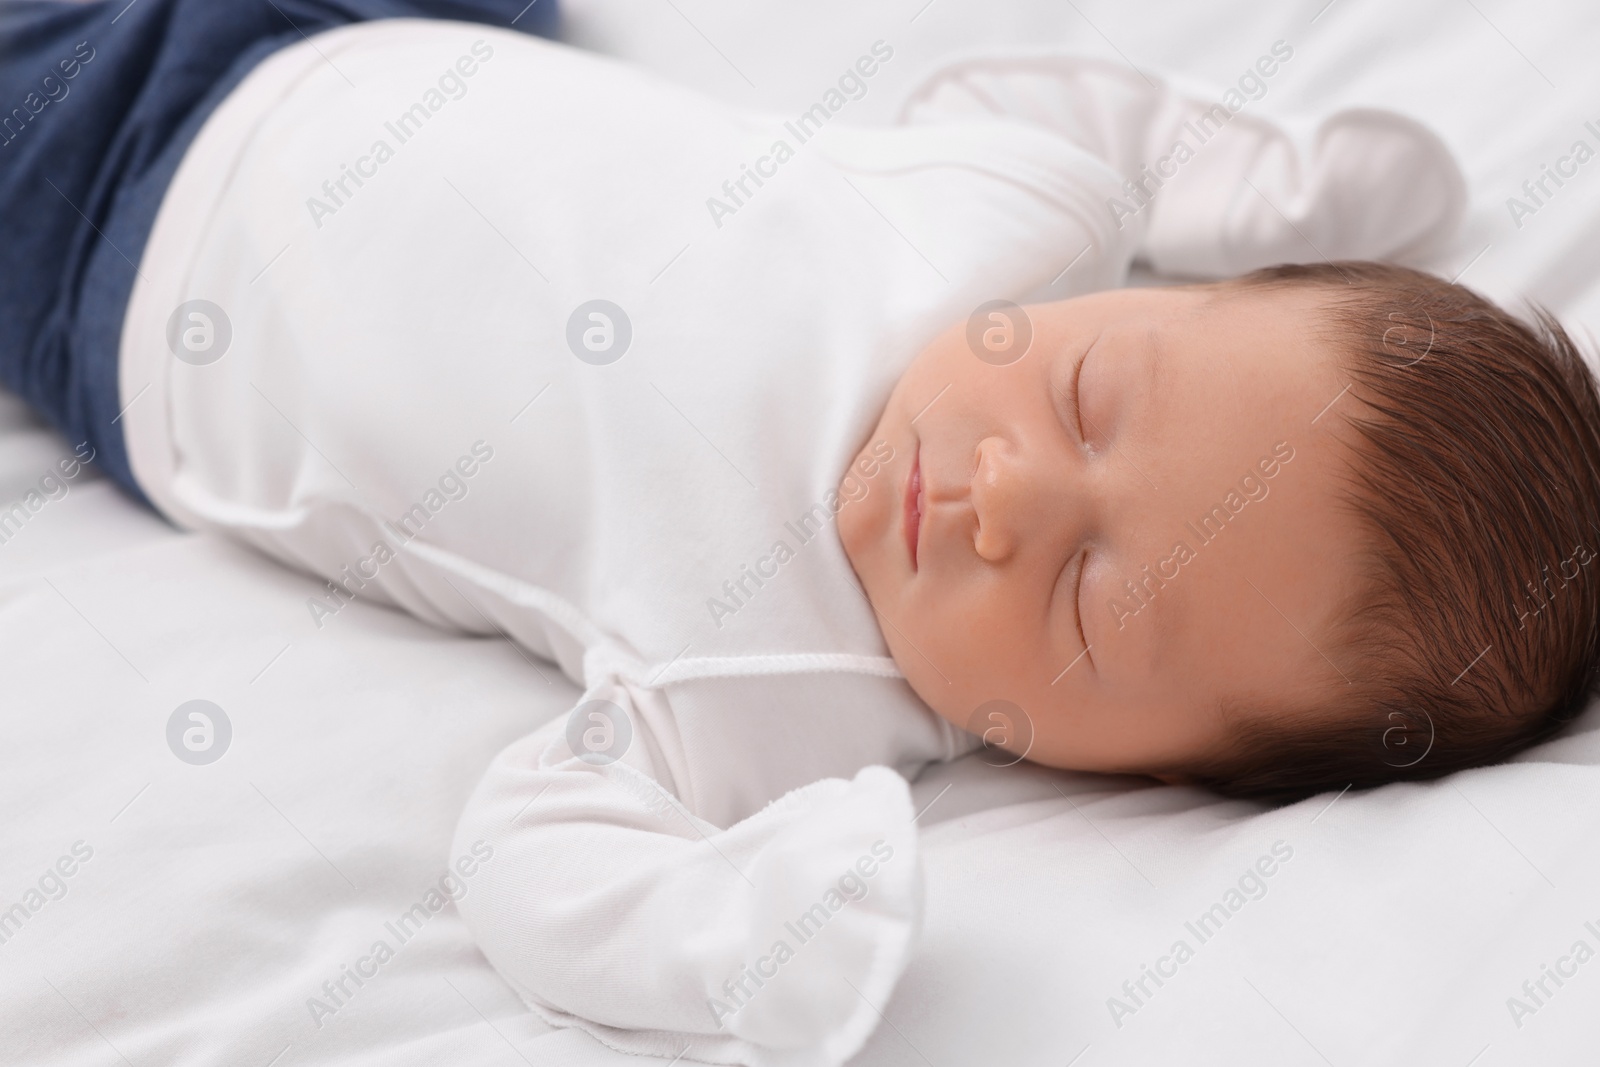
836 906
1218 192
608 906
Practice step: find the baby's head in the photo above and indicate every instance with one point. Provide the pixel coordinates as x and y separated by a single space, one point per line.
1311 527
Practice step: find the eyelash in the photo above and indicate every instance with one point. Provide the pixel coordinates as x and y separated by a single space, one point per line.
1077 596
1077 404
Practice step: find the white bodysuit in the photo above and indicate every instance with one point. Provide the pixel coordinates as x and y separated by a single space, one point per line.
396 377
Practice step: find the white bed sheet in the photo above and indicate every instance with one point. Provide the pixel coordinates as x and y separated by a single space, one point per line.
219 898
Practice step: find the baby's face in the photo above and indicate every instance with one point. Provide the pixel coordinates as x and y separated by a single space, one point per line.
1131 525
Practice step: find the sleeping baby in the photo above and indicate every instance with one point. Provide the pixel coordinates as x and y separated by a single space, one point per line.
881 469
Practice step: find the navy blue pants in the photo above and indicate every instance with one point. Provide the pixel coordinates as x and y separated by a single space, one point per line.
98 103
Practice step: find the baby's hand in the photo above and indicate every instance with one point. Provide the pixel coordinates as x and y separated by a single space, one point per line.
610 907
836 906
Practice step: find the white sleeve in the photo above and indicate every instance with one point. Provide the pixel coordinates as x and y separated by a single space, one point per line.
607 905
1220 190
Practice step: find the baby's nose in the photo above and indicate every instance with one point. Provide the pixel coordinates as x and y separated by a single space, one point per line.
998 491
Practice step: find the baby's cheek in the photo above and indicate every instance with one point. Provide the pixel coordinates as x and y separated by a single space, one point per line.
853 534
852 489
964 658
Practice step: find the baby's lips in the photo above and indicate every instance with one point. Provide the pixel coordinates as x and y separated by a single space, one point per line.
911 513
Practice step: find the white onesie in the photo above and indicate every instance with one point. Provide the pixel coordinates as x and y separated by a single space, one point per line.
447 316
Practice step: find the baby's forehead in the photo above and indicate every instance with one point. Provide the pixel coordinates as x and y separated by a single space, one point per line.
1247 540
1204 317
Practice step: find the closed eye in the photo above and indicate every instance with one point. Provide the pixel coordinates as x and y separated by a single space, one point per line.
1077 596
1069 397
1077 403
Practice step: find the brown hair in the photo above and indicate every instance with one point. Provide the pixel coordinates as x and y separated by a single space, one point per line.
1476 474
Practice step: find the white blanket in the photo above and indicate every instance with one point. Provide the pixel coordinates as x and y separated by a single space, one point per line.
1420 911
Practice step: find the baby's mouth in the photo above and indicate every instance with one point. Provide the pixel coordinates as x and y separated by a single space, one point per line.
913 506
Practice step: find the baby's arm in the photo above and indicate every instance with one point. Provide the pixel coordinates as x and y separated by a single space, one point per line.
608 905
